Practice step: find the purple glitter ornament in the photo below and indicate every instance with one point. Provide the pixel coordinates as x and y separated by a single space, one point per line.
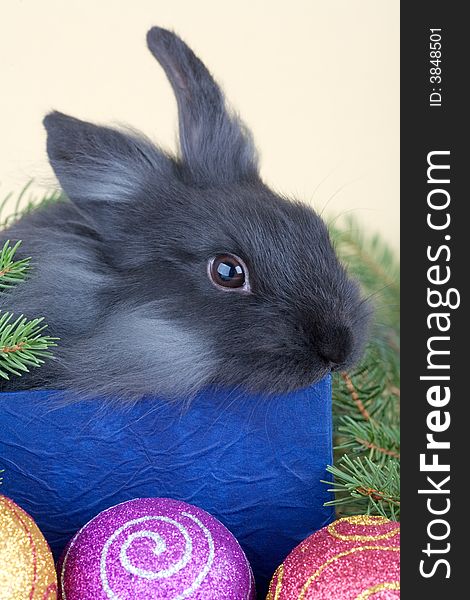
155 548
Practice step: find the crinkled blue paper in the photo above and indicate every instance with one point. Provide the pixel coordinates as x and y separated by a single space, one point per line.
255 463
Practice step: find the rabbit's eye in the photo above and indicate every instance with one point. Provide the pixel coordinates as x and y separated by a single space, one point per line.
229 272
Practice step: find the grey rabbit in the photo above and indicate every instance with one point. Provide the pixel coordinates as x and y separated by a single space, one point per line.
163 274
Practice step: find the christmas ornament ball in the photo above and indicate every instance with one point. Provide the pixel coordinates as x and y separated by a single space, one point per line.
26 564
353 558
155 548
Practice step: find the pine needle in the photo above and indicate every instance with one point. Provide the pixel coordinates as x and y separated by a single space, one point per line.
22 344
12 271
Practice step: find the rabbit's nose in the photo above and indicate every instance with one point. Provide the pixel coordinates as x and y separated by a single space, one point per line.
336 345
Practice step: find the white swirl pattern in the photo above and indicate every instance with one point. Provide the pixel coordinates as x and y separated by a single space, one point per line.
159 548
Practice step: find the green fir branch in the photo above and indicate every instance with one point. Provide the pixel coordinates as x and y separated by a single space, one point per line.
12 271
375 488
366 407
22 344
379 440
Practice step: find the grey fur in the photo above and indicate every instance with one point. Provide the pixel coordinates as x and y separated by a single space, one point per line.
119 270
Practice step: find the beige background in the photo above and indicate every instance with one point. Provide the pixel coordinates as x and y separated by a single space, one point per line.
317 81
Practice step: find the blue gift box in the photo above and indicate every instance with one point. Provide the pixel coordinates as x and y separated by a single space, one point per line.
253 462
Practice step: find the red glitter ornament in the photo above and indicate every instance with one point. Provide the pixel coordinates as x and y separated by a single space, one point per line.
353 558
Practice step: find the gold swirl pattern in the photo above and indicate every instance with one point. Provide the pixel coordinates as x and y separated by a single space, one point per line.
279 572
316 574
388 585
361 520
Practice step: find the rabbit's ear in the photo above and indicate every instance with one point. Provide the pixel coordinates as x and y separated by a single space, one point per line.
216 147
94 163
